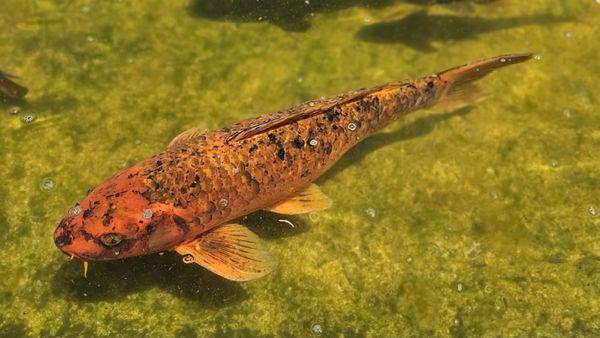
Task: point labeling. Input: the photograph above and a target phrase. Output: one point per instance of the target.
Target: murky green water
(483, 221)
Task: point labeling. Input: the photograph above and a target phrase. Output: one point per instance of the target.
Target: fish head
(119, 219)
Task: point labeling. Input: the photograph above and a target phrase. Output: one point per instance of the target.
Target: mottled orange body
(202, 181)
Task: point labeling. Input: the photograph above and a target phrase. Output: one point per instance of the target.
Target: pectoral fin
(307, 200)
(187, 135)
(231, 251)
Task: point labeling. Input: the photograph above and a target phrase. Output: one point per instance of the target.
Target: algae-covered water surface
(478, 221)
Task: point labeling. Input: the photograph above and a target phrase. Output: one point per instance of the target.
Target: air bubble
(459, 287)
(90, 39)
(409, 259)
(76, 210)
(567, 113)
(47, 184)
(367, 18)
(223, 202)
(147, 213)
(568, 34)
(370, 212)
(352, 126)
(85, 9)
(313, 216)
(317, 329)
(312, 104)
(313, 142)
(593, 211)
(28, 118)
(537, 56)
(187, 259)
(14, 110)
(502, 60)
(554, 163)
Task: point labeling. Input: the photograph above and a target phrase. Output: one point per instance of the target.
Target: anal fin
(231, 251)
(307, 200)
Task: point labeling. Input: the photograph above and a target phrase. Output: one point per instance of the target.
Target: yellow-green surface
(484, 219)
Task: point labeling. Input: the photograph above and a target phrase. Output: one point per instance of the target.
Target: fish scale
(226, 166)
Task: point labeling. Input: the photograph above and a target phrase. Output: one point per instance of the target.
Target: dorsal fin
(299, 112)
(187, 135)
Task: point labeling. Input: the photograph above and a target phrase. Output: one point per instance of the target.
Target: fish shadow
(270, 225)
(289, 15)
(420, 29)
(112, 280)
(417, 128)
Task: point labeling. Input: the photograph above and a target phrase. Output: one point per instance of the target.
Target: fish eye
(111, 239)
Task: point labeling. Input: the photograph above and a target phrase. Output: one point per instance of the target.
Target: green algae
(482, 219)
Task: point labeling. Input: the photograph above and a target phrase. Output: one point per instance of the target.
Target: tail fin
(462, 90)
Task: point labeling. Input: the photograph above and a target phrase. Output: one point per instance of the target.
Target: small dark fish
(9, 88)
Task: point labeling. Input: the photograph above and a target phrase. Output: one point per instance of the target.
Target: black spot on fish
(87, 236)
(181, 223)
(87, 213)
(298, 143)
(251, 181)
(272, 137)
(159, 163)
(183, 149)
(331, 115)
(253, 148)
(65, 237)
(328, 148)
(108, 216)
(430, 84)
(281, 154)
(150, 229)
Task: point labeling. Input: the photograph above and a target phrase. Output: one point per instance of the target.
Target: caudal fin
(462, 91)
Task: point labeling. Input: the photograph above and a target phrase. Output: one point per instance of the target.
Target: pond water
(481, 221)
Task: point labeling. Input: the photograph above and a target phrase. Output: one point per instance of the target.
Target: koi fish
(183, 198)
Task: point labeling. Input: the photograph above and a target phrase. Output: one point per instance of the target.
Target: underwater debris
(370, 212)
(28, 118)
(47, 184)
(147, 213)
(14, 110)
(10, 89)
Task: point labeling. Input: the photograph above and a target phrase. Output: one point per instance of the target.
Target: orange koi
(184, 197)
